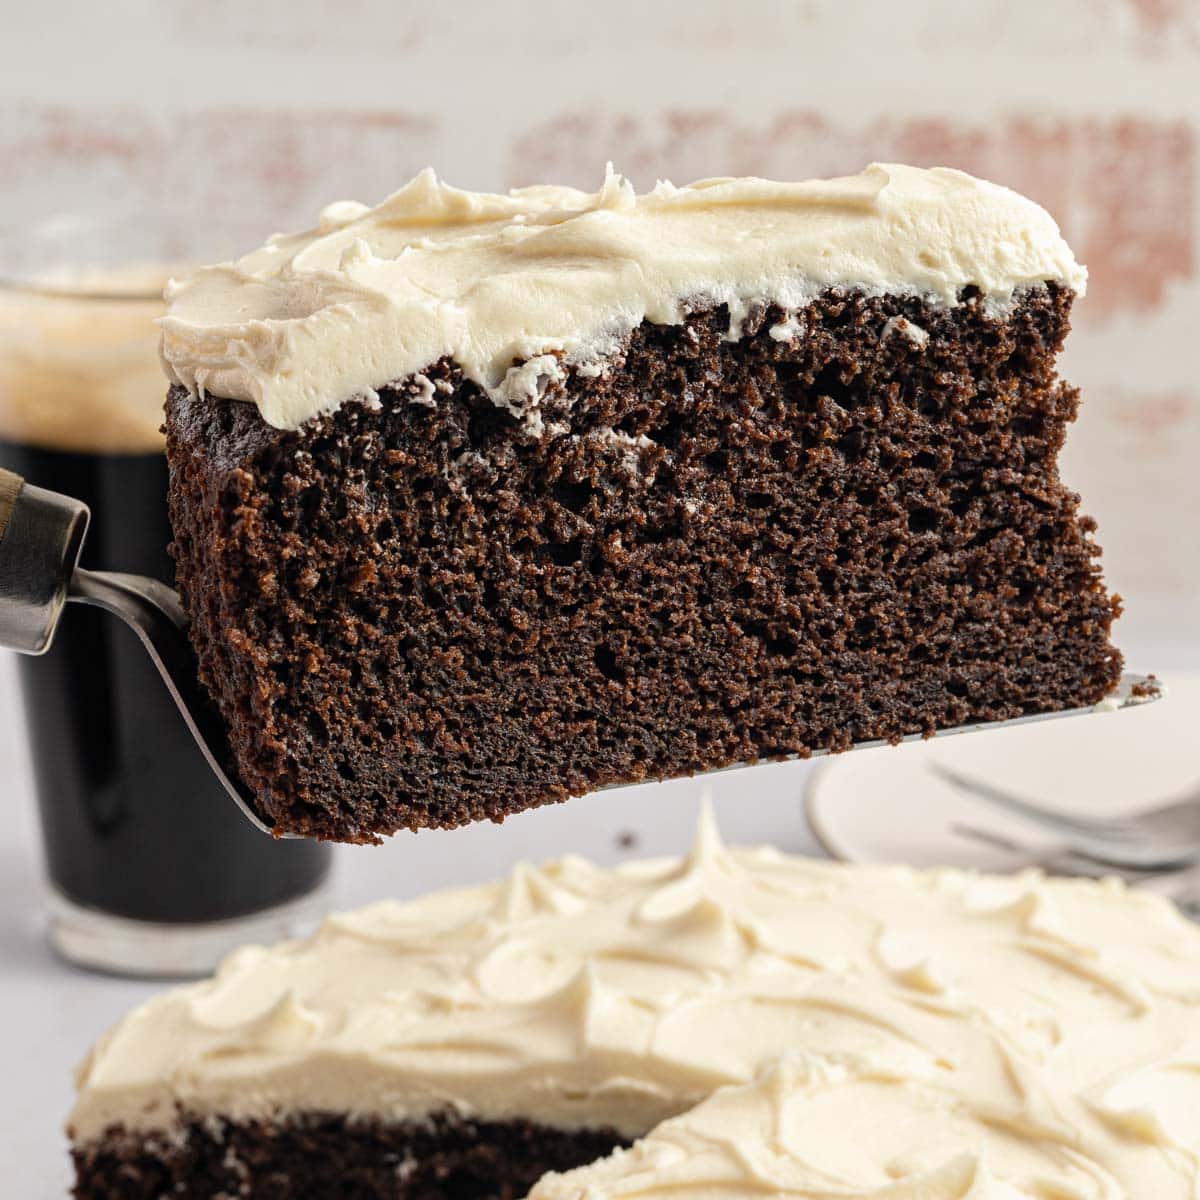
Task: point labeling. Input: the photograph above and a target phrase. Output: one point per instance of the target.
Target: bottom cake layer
(319, 1155)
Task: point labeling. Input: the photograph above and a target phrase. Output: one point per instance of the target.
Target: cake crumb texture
(317, 1156)
(431, 610)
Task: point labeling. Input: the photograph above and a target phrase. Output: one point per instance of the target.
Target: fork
(1180, 885)
(1158, 839)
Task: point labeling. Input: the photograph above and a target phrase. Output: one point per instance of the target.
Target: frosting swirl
(872, 1027)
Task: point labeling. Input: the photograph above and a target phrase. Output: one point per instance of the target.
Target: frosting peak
(762, 1021)
(551, 275)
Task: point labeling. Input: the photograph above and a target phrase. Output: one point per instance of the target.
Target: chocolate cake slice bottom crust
(846, 524)
(318, 1156)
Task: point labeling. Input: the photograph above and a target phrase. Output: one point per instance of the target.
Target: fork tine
(1121, 845)
(1104, 829)
(1178, 884)
(1059, 859)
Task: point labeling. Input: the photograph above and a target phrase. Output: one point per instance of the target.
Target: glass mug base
(162, 950)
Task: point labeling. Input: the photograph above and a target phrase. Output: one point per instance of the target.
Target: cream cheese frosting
(515, 288)
(772, 1023)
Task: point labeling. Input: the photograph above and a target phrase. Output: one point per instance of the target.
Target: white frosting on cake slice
(515, 287)
(879, 1026)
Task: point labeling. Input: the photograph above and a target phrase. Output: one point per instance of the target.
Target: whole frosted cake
(764, 1024)
(484, 501)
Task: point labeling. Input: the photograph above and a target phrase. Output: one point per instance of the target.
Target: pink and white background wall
(261, 112)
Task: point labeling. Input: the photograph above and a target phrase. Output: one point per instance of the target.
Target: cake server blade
(1132, 691)
(152, 610)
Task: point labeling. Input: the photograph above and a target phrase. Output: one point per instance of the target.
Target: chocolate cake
(764, 1023)
(481, 502)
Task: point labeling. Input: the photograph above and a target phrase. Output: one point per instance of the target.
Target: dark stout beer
(134, 824)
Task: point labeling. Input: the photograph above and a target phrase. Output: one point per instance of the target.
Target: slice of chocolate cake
(486, 501)
(1037, 1036)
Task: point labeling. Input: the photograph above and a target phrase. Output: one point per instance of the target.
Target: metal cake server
(41, 535)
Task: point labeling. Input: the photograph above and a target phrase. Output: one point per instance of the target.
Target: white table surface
(50, 1012)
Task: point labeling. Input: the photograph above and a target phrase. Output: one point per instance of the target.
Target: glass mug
(151, 869)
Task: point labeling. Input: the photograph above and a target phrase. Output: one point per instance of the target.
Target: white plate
(887, 805)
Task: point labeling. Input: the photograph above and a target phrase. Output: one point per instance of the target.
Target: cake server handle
(41, 536)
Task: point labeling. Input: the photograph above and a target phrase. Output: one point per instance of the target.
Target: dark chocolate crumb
(717, 552)
(314, 1156)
